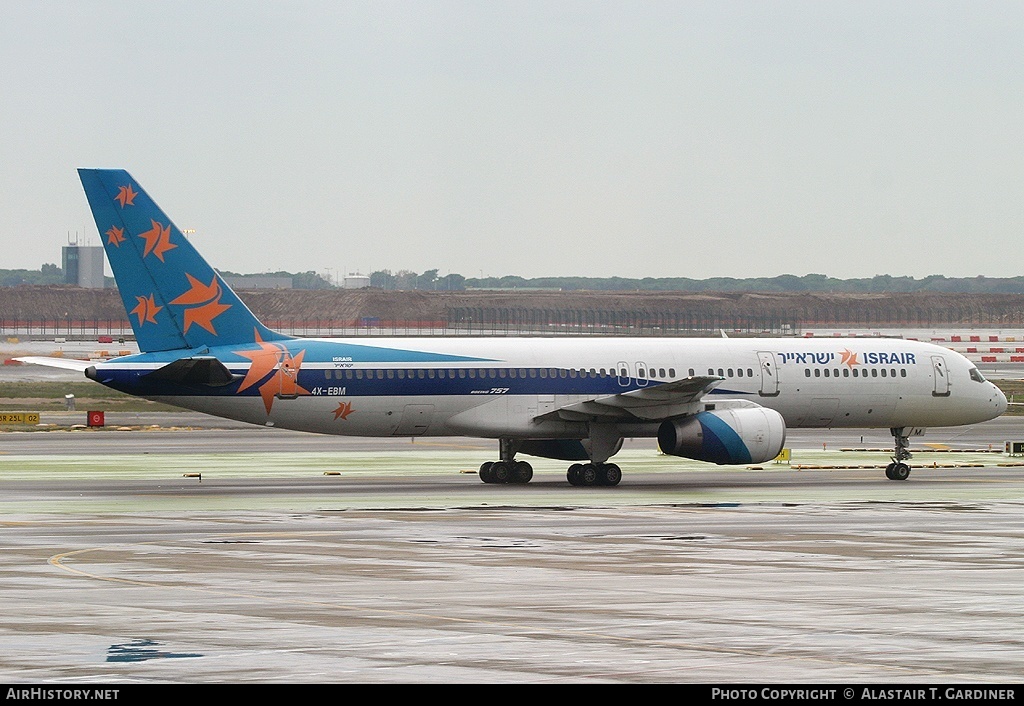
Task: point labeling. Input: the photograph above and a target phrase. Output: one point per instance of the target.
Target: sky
(530, 138)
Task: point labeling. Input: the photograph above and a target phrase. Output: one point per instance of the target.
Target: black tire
(485, 472)
(522, 472)
(610, 474)
(501, 472)
(900, 471)
(589, 474)
(888, 471)
(573, 474)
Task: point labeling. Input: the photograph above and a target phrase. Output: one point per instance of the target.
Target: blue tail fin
(173, 298)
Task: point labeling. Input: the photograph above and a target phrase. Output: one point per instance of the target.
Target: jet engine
(726, 436)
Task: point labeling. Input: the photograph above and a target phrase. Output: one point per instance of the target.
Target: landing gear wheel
(900, 471)
(522, 472)
(573, 474)
(501, 471)
(588, 474)
(610, 474)
(485, 472)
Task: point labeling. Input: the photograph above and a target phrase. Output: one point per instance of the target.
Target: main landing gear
(603, 442)
(897, 470)
(506, 472)
(594, 474)
(578, 474)
(508, 469)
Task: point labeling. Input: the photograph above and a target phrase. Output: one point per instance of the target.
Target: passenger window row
(491, 373)
(856, 372)
(728, 372)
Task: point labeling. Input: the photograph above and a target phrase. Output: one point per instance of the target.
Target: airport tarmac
(300, 558)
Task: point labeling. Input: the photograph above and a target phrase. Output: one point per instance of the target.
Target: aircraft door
(769, 374)
(286, 378)
(939, 372)
(415, 419)
(622, 370)
(643, 374)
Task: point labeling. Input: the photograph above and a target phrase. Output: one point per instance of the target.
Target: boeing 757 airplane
(721, 400)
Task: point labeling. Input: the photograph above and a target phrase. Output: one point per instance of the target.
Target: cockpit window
(976, 375)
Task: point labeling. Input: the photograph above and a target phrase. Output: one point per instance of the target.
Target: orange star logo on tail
(115, 236)
(146, 310)
(204, 300)
(273, 358)
(126, 196)
(158, 240)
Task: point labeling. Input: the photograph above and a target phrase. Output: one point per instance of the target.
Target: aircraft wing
(66, 363)
(669, 399)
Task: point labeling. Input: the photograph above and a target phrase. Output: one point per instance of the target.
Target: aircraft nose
(1000, 400)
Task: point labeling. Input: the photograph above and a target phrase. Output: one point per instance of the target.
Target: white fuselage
(508, 387)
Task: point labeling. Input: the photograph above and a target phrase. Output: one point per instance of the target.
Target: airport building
(83, 266)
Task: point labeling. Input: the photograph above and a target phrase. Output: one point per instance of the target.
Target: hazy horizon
(592, 139)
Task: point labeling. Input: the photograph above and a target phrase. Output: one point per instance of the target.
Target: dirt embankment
(59, 303)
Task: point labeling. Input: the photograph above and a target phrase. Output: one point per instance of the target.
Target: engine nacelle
(725, 436)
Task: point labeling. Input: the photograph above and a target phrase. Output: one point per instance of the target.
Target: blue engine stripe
(721, 442)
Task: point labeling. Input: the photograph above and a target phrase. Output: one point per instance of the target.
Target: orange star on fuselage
(289, 372)
(115, 236)
(158, 240)
(264, 361)
(849, 358)
(344, 409)
(126, 196)
(283, 381)
(146, 310)
(205, 302)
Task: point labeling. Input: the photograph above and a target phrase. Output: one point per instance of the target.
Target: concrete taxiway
(298, 558)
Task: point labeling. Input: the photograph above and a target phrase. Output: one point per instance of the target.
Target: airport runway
(117, 565)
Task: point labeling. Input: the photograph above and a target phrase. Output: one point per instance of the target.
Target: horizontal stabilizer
(65, 363)
(194, 371)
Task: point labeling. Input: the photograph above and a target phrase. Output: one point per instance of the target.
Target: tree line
(430, 281)
(811, 283)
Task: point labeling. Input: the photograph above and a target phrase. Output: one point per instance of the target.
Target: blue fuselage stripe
(386, 382)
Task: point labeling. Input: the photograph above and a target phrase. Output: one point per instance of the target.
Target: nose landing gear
(898, 470)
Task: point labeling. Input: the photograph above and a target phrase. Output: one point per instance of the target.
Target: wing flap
(669, 399)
